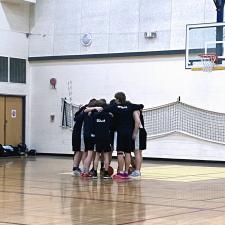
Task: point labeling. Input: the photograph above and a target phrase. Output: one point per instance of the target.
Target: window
(17, 70)
(3, 69)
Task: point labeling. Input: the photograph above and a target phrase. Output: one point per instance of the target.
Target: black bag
(22, 148)
(2, 151)
(32, 152)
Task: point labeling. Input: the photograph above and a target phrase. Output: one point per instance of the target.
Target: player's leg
(106, 165)
(127, 162)
(138, 159)
(128, 142)
(76, 162)
(89, 147)
(84, 156)
(140, 144)
(96, 161)
(76, 145)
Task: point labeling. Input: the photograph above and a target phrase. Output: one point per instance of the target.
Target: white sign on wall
(13, 113)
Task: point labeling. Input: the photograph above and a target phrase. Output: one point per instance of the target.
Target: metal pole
(220, 10)
(219, 30)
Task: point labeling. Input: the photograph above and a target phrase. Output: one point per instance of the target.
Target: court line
(117, 201)
(159, 217)
(13, 223)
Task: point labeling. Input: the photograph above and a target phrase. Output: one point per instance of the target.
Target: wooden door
(13, 120)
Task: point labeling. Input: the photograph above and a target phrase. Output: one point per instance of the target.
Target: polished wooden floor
(41, 190)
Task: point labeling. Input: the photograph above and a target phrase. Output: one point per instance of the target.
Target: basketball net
(208, 61)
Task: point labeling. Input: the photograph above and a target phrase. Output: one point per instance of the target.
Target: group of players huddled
(96, 126)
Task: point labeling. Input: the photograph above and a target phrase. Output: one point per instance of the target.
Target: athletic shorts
(89, 143)
(141, 140)
(103, 147)
(112, 136)
(124, 142)
(77, 143)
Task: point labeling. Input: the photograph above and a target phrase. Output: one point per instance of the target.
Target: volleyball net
(170, 118)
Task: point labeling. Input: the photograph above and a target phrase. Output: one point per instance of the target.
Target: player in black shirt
(140, 140)
(102, 124)
(77, 144)
(89, 138)
(76, 141)
(123, 112)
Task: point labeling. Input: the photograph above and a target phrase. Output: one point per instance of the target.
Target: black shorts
(103, 143)
(103, 147)
(124, 142)
(141, 140)
(89, 143)
(112, 134)
(76, 143)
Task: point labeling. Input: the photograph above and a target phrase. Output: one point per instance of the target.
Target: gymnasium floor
(41, 190)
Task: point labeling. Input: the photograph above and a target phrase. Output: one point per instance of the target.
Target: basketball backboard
(205, 38)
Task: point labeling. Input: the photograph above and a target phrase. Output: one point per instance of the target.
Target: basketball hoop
(208, 61)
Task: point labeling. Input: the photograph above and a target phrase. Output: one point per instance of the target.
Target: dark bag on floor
(2, 151)
(22, 149)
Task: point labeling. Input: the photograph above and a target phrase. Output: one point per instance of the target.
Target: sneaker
(102, 171)
(91, 172)
(125, 176)
(106, 175)
(135, 175)
(77, 172)
(121, 176)
(117, 176)
(94, 174)
(131, 169)
(84, 174)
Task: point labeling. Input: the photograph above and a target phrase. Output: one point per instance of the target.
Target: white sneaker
(77, 172)
(135, 174)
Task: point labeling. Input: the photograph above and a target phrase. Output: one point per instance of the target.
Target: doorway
(11, 120)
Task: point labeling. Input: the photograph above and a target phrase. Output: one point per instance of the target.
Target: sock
(75, 168)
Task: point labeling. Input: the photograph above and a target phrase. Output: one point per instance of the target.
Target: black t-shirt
(88, 128)
(102, 125)
(124, 116)
(78, 122)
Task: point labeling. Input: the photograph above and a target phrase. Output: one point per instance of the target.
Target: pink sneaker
(118, 176)
(84, 174)
(121, 176)
(125, 176)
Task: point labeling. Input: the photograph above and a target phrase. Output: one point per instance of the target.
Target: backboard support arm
(219, 30)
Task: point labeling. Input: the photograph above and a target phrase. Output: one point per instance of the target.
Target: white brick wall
(152, 80)
(14, 24)
(116, 26)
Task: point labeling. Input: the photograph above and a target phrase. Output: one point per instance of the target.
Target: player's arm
(136, 106)
(137, 123)
(80, 113)
(79, 117)
(90, 109)
(110, 109)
